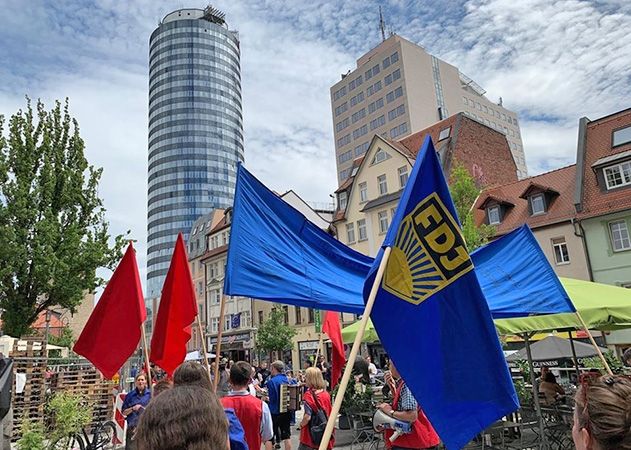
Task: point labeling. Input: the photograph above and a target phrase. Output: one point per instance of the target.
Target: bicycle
(102, 438)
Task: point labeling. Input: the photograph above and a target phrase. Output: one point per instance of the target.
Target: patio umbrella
(554, 348)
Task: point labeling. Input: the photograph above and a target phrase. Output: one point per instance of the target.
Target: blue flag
(277, 254)
(432, 317)
(235, 320)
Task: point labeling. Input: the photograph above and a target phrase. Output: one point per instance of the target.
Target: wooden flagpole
(146, 352)
(591, 339)
(354, 351)
(203, 336)
(219, 334)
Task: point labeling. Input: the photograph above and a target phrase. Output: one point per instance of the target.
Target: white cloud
(552, 62)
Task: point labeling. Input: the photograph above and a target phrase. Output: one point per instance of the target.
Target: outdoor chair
(527, 434)
(364, 436)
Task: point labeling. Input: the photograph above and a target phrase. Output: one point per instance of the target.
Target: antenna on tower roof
(382, 25)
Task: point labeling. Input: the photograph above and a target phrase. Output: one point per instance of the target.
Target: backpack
(318, 421)
(235, 431)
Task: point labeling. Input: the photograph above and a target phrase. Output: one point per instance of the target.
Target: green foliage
(524, 393)
(524, 368)
(357, 398)
(32, 436)
(614, 363)
(65, 340)
(464, 193)
(274, 334)
(70, 413)
(52, 226)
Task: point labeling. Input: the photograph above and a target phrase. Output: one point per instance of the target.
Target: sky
(552, 62)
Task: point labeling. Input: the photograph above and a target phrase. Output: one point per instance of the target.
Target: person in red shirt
(314, 399)
(253, 413)
(405, 408)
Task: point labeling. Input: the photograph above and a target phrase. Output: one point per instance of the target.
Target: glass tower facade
(195, 128)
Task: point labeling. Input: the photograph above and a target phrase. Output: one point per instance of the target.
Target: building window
(379, 156)
(622, 136)
(383, 221)
(350, 233)
(342, 200)
(383, 185)
(310, 315)
(286, 314)
(493, 214)
(561, 254)
(618, 175)
(403, 176)
(444, 134)
(298, 315)
(394, 57)
(227, 323)
(215, 296)
(361, 230)
(260, 317)
(214, 324)
(363, 192)
(619, 236)
(537, 204)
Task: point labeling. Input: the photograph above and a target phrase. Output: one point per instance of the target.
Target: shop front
(235, 346)
(306, 352)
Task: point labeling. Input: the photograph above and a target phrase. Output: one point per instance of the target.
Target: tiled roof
(595, 200)
(414, 141)
(561, 208)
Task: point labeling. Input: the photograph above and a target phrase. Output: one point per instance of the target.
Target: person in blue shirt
(280, 421)
(133, 406)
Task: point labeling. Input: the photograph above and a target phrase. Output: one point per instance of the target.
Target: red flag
(113, 331)
(331, 326)
(176, 313)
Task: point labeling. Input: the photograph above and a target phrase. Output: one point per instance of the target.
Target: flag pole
(354, 351)
(218, 349)
(201, 333)
(146, 352)
(591, 339)
(318, 351)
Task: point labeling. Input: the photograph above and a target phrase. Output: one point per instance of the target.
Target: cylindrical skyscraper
(195, 128)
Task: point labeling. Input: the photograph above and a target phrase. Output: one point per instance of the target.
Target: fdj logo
(429, 253)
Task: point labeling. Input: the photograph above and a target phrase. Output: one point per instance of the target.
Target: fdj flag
(431, 314)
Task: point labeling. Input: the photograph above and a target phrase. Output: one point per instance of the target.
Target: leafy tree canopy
(464, 192)
(53, 233)
(274, 334)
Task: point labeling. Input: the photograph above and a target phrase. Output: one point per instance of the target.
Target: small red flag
(112, 332)
(331, 326)
(176, 313)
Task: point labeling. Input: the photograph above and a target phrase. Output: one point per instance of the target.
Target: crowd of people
(185, 413)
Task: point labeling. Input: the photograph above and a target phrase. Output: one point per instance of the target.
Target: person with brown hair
(602, 417)
(183, 418)
(314, 399)
(162, 386)
(253, 413)
(192, 373)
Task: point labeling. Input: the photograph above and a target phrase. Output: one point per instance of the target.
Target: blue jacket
(273, 390)
(134, 398)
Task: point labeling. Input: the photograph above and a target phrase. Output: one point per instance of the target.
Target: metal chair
(364, 436)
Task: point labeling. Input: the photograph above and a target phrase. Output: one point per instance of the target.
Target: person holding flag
(404, 407)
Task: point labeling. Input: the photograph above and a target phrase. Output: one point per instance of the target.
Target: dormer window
(342, 200)
(537, 204)
(618, 175)
(493, 214)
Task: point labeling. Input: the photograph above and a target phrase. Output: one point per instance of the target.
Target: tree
(274, 334)
(65, 339)
(464, 192)
(53, 234)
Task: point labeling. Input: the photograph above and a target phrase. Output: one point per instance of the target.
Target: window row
(374, 88)
(346, 156)
(361, 149)
(488, 110)
(359, 115)
(376, 123)
(342, 125)
(394, 76)
(355, 83)
(344, 140)
(340, 109)
(393, 95)
(361, 231)
(371, 72)
(374, 106)
(398, 131)
(396, 112)
(357, 99)
(390, 60)
(341, 92)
